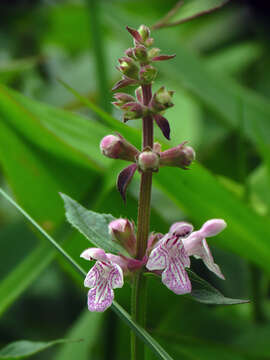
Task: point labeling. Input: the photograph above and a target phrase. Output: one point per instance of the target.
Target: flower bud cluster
(136, 66)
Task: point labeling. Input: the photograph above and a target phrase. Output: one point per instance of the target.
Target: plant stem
(138, 302)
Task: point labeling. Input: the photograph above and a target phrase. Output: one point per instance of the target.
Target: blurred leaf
(86, 328)
(189, 9)
(143, 334)
(23, 275)
(36, 178)
(24, 348)
(91, 224)
(205, 293)
(42, 125)
(258, 184)
(130, 133)
(235, 58)
(10, 69)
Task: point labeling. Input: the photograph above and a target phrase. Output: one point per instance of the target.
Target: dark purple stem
(146, 181)
(139, 298)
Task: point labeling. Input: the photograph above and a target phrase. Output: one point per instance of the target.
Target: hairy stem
(138, 303)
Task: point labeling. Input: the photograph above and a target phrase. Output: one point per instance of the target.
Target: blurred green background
(49, 143)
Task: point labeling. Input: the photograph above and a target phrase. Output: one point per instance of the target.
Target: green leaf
(194, 8)
(205, 293)
(23, 275)
(24, 348)
(42, 124)
(92, 225)
(87, 328)
(143, 334)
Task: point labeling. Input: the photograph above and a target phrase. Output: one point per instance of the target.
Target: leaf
(202, 291)
(205, 293)
(143, 334)
(92, 225)
(185, 11)
(87, 328)
(24, 348)
(42, 124)
(23, 275)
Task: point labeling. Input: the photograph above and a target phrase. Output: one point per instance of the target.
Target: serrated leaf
(92, 225)
(24, 348)
(205, 293)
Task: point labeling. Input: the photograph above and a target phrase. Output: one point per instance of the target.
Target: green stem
(99, 54)
(139, 299)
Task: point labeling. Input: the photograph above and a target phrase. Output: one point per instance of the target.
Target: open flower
(195, 244)
(170, 256)
(104, 276)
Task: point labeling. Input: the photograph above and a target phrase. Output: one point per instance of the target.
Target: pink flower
(170, 255)
(104, 276)
(195, 244)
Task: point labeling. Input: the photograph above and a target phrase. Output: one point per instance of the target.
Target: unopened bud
(162, 100)
(180, 156)
(133, 110)
(122, 231)
(122, 98)
(144, 31)
(129, 52)
(157, 147)
(147, 74)
(117, 147)
(148, 161)
(139, 95)
(153, 53)
(128, 67)
(140, 52)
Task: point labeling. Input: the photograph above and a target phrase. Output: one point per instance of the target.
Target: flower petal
(100, 297)
(115, 279)
(176, 278)
(158, 258)
(94, 253)
(208, 260)
(93, 275)
(212, 227)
